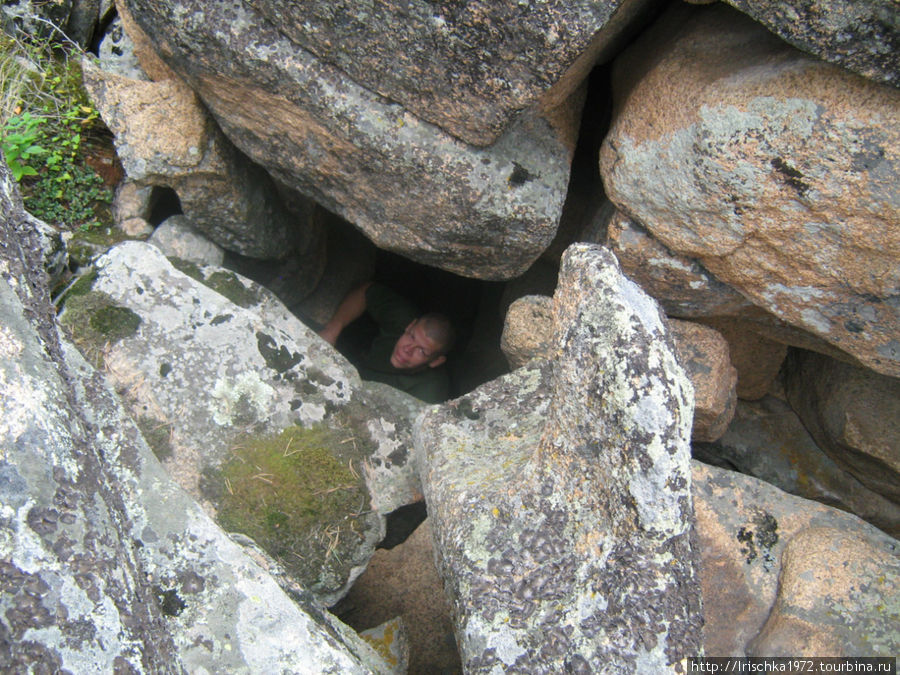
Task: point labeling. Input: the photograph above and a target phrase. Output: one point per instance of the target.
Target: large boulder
(559, 495)
(776, 171)
(466, 69)
(412, 187)
(220, 376)
(767, 440)
(177, 238)
(164, 137)
(701, 351)
(678, 283)
(853, 414)
(860, 35)
(784, 575)
(105, 563)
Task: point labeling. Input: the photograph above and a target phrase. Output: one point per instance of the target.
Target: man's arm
(351, 308)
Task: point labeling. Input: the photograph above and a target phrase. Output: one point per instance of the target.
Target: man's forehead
(421, 336)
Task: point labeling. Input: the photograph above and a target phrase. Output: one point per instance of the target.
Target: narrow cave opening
(476, 307)
(163, 203)
(472, 305)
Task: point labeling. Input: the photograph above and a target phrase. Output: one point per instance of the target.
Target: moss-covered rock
(297, 497)
(85, 245)
(82, 285)
(221, 281)
(95, 320)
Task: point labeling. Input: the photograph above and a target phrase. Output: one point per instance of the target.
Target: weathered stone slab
(410, 186)
(561, 520)
(776, 171)
(467, 69)
(218, 373)
(853, 414)
(860, 35)
(678, 283)
(784, 575)
(105, 563)
(767, 440)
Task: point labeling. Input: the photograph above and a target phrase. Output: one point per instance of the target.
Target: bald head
(439, 330)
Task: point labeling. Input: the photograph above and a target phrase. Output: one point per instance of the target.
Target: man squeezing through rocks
(409, 350)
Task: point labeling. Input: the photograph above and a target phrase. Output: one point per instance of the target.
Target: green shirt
(393, 314)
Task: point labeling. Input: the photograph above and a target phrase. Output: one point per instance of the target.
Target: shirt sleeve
(391, 311)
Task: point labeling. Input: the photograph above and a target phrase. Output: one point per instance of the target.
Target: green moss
(188, 267)
(85, 245)
(114, 322)
(157, 434)
(82, 285)
(95, 320)
(221, 281)
(292, 495)
(100, 236)
(231, 287)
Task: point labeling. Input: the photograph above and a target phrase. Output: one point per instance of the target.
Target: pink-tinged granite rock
(776, 171)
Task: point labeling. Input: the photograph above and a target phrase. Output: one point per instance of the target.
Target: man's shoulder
(431, 385)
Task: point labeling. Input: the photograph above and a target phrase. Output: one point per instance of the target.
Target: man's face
(415, 350)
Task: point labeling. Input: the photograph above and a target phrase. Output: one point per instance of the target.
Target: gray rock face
(411, 187)
(559, 495)
(776, 171)
(701, 351)
(466, 69)
(767, 440)
(164, 137)
(106, 564)
(853, 414)
(116, 53)
(860, 35)
(176, 238)
(784, 575)
(212, 378)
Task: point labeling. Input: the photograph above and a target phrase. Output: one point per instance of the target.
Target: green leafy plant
(19, 144)
(49, 129)
(67, 190)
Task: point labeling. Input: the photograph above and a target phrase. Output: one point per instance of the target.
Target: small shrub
(46, 115)
(19, 144)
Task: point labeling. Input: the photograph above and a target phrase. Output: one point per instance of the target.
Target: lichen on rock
(559, 494)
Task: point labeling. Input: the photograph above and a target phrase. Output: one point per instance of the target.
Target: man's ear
(434, 363)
